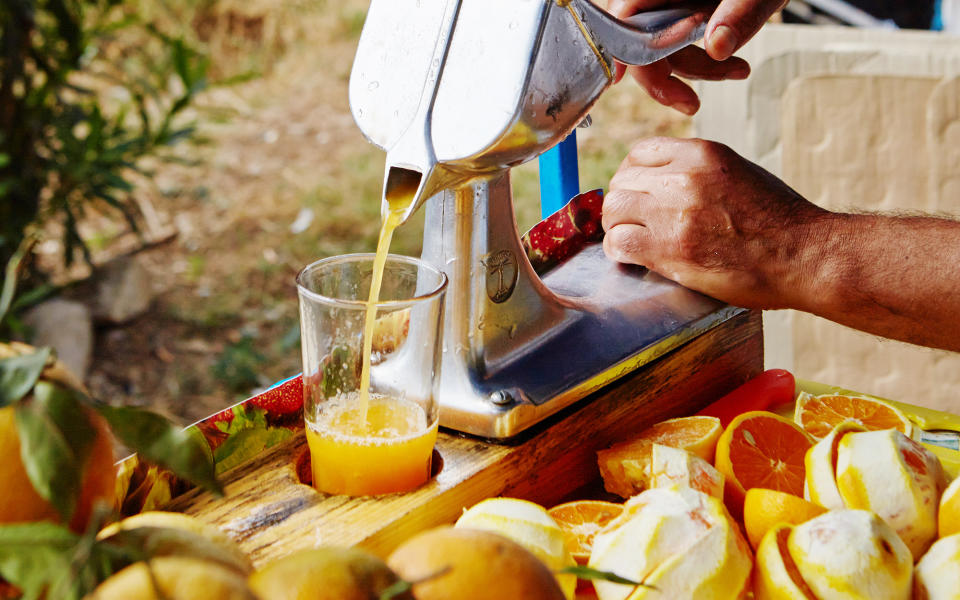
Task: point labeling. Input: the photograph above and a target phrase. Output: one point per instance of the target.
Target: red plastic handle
(767, 389)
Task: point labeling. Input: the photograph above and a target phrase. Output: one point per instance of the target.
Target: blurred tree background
(194, 155)
(66, 151)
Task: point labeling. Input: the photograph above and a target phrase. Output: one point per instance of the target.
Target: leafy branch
(56, 434)
(67, 149)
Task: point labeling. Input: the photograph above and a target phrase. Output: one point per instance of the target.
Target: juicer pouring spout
(406, 186)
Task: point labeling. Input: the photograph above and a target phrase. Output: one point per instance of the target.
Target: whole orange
(20, 502)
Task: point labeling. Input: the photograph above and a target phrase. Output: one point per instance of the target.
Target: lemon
(678, 540)
(851, 554)
(196, 538)
(672, 466)
(328, 573)
(174, 578)
(948, 517)
(447, 563)
(529, 525)
(937, 576)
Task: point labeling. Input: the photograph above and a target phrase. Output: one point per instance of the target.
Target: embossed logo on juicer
(501, 274)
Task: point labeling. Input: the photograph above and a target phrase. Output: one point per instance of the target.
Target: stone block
(67, 327)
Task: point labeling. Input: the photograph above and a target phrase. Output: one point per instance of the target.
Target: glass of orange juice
(379, 438)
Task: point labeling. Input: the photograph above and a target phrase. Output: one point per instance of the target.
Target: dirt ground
(284, 177)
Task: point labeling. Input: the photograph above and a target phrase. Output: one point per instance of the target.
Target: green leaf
(55, 440)
(246, 444)
(144, 543)
(91, 561)
(34, 556)
(9, 282)
(18, 375)
(33, 296)
(49, 561)
(398, 588)
(155, 439)
(583, 572)
(65, 408)
(402, 589)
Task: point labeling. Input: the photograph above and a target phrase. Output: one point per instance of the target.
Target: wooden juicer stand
(270, 513)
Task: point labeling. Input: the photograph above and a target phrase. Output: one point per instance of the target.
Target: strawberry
(282, 399)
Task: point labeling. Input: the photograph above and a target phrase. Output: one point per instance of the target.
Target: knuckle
(620, 180)
(706, 150)
(682, 182)
(616, 205)
(687, 246)
(650, 144)
(628, 179)
(624, 242)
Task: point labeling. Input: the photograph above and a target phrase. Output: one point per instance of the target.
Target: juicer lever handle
(649, 35)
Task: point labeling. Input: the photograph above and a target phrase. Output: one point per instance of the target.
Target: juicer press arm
(647, 36)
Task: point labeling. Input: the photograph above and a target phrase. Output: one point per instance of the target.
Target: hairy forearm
(898, 277)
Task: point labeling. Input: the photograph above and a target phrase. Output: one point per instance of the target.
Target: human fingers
(736, 21)
(693, 62)
(624, 207)
(627, 8)
(658, 81)
(654, 152)
(619, 69)
(630, 243)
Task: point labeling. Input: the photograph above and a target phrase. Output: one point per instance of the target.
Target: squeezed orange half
(389, 451)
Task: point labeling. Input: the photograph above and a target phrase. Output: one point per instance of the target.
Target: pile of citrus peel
(837, 502)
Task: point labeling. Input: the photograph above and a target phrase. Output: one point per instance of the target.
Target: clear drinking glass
(385, 445)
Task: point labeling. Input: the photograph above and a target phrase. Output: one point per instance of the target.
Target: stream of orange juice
(397, 208)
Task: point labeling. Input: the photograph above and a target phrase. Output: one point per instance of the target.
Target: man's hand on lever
(731, 25)
(698, 213)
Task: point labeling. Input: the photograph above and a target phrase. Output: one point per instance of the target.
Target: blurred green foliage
(239, 364)
(88, 90)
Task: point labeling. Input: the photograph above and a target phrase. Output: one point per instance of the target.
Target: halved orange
(625, 467)
(763, 509)
(818, 415)
(761, 450)
(580, 520)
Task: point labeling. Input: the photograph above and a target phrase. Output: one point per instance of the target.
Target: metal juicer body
(457, 92)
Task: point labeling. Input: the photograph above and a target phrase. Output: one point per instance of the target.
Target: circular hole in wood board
(304, 468)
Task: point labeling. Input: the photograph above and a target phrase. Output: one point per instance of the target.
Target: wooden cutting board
(270, 513)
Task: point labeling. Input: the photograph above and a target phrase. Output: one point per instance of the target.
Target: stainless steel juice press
(459, 91)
